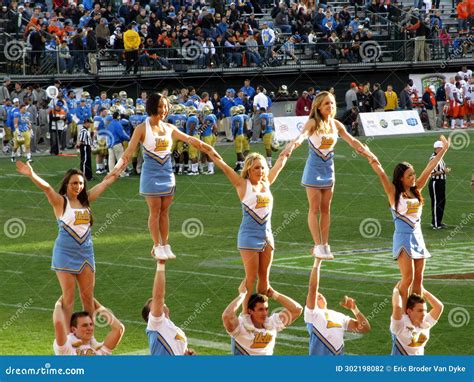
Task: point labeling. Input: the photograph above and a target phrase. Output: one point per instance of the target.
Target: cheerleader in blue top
(255, 238)
(322, 131)
(406, 201)
(73, 253)
(157, 181)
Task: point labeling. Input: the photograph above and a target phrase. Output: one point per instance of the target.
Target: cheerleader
(255, 238)
(73, 252)
(322, 131)
(157, 181)
(406, 202)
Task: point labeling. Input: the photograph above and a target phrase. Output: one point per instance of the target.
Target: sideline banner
(230, 369)
(391, 123)
(288, 128)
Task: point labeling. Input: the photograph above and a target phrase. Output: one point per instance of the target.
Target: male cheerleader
(410, 329)
(325, 326)
(164, 337)
(255, 335)
(79, 339)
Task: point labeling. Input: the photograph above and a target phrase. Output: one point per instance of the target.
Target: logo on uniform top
(326, 143)
(262, 201)
(81, 217)
(412, 122)
(397, 122)
(412, 207)
(383, 123)
(161, 144)
(261, 340)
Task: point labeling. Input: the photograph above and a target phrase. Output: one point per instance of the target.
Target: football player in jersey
(257, 335)
(238, 125)
(21, 133)
(469, 104)
(193, 130)
(325, 326)
(209, 136)
(137, 157)
(178, 118)
(410, 326)
(164, 337)
(77, 336)
(266, 122)
(101, 149)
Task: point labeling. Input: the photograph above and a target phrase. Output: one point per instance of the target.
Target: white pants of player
(115, 153)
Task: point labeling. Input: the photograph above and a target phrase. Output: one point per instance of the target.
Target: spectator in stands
(233, 52)
(131, 41)
(288, 50)
(318, 20)
(406, 102)
(446, 42)
(392, 99)
(462, 10)
(429, 102)
(77, 51)
(378, 98)
(251, 50)
(281, 19)
(91, 47)
(303, 105)
(102, 33)
(268, 40)
(418, 26)
(351, 96)
(65, 60)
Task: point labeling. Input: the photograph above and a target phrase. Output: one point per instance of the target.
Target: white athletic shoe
(318, 251)
(210, 172)
(168, 252)
(160, 253)
(327, 252)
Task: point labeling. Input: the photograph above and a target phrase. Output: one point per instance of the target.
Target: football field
(204, 222)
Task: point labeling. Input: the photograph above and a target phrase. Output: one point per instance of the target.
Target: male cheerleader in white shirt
(164, 337)
(256, 334)
(411, 329)
(79, 340)
(326, 327)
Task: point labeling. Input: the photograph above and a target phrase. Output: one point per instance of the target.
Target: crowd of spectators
(154, 33)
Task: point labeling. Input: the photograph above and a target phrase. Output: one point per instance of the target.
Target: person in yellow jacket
(131, 42)
(392, 99)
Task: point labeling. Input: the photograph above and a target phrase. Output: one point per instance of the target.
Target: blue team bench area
(229, 369)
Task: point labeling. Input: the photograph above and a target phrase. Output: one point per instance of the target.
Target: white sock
(181, 167)
(28, 156)
(453, 121)
(210, 166)
(194, 167)
(269, 161)
(201, 167)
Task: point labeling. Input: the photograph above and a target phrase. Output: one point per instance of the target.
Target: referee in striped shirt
(84, 143)
(437, 188)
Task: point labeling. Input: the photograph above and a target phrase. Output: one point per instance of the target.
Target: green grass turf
(205, 276)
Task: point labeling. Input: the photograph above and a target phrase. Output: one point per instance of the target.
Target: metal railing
(195, 57)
